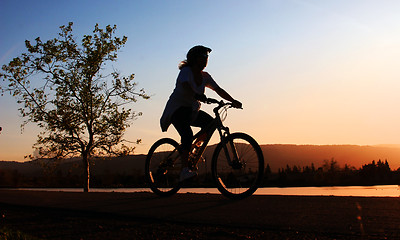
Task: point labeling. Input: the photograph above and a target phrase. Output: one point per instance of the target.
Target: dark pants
(182, 120)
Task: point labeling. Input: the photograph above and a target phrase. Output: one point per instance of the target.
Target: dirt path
(64, 215)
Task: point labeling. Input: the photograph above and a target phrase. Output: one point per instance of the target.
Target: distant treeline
(330, 174)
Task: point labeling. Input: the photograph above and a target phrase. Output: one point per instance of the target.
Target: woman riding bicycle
(183, 107)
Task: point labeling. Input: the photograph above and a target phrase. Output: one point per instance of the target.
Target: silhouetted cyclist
(183, 107)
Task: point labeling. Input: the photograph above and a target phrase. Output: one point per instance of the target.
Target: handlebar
(220, 103)
(212, 100)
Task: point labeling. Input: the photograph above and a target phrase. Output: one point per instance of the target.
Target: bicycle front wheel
(163, 166)
(238, 166)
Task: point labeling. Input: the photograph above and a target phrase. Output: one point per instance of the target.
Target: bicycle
(237, 165)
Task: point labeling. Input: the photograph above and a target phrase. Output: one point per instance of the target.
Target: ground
(63, 215)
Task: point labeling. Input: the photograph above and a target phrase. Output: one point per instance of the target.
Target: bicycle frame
(223, 131)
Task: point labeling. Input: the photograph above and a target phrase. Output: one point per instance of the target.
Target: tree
(61, 87)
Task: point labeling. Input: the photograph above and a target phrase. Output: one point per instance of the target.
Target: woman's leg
(202, 120)
(181, 120)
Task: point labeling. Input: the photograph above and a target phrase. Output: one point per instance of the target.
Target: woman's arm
(222, 93)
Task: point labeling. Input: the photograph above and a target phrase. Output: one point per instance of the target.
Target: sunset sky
(307, 72)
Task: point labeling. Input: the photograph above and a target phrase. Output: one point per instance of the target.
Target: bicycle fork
(233, 160)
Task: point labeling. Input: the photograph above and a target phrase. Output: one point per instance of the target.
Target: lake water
(356, 191)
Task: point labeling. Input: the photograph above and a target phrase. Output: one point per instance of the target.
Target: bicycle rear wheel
(163, 166)
(241, 178)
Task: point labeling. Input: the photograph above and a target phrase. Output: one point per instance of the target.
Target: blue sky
(307, 72)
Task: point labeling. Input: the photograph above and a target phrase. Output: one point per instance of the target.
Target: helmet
(197, 51)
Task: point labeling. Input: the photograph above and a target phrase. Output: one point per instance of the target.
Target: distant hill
(27, 168)
(277, 156)
(121, 165)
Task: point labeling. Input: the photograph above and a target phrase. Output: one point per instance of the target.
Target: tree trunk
(86, 172)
